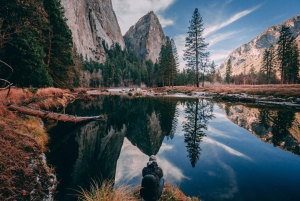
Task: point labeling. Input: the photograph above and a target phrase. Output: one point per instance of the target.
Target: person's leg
(161, 187)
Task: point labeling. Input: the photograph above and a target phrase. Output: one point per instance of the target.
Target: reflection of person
(153, 181)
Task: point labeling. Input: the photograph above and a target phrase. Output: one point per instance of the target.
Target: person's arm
(159, 172)
(144, 171)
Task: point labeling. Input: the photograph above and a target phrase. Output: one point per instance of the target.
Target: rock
(90, 23)
(146, 37)
(252, 52)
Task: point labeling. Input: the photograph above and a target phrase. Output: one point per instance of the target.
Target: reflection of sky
(233, 165)
(132, 161)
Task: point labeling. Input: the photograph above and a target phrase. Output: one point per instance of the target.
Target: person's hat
(153, 158)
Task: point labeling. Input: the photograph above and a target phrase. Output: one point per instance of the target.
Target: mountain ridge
(251, 53)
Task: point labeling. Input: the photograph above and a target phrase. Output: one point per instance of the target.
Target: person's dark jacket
(151, 168)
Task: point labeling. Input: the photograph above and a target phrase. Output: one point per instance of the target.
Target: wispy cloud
(218, 56)
(232, 19)
(130, 11)
(216, 38)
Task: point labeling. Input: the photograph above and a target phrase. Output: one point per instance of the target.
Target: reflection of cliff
(87, 153)
(99, 150)
(279, 127)
(146, 134)
(148, 120)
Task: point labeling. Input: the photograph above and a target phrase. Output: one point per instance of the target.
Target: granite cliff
(146, 37)
(251, 53)
(92, 21)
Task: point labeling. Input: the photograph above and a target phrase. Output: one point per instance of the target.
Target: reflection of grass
(106, 192)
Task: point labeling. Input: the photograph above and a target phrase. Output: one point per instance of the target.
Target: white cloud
(130, 11)
(219, 55)
(232, 19)
(216, 38)
(165, 22)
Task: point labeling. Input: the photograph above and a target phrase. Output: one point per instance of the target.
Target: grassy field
(278, 90)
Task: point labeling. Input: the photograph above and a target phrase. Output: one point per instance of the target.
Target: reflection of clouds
(231, 187)
(172, 174)
(228, 149)
(215, 132)
(132, 161)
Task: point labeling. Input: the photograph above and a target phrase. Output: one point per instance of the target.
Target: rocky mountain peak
(92, 21)
(250, 54)
(146, 37)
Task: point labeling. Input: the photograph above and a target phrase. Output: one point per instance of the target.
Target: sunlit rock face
(92, 21)
(278, 127)
(146, 37)
(147, 138)
(251, 53)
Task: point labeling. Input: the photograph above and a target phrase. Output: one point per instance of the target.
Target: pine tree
(175, 65)
(195, 45)
(268, 63)
(59, 59)
(292, 73)
(22, 41)
(284, 52)
(228, 72)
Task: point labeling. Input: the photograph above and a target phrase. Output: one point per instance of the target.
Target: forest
(36, 44)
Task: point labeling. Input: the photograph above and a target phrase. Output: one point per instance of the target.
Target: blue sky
(228, 23)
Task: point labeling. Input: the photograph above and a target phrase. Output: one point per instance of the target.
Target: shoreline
(264, 94)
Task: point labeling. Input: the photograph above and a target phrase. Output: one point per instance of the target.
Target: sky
(228, 24)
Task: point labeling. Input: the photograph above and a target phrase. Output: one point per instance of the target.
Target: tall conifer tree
(195, 45)
(284, 52)
(228, 72)
(59, 46)
(268, 63)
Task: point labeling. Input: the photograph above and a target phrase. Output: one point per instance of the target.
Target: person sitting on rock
(153, 181)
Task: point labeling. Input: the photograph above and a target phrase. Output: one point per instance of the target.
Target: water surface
(216, 151)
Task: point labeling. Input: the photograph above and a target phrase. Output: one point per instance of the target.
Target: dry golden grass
(284, 90)
(22, 139)
(106, 192)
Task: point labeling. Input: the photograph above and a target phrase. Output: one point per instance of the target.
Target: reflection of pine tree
(282, 121)
(197, 116)
(265, 118)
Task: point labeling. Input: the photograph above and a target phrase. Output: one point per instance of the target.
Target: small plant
(32, 89)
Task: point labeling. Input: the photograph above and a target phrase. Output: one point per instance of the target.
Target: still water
(216, 151)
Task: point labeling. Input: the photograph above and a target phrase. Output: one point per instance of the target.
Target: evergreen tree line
(280, 64)
(125, 68)
(37, 43)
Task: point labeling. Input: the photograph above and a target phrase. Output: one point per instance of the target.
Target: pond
(216, 151)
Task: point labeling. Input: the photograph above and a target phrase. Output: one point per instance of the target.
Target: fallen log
(53, 115)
